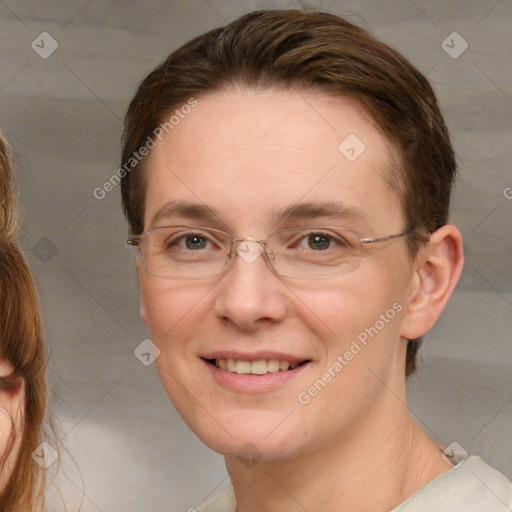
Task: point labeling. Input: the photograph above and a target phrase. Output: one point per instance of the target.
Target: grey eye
(195, 242)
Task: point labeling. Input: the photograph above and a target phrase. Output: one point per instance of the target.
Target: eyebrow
(311, 210)
(307, 210)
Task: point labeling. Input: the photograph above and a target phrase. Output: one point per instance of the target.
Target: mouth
(257, 367)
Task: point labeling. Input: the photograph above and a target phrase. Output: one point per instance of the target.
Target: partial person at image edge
(23, 384)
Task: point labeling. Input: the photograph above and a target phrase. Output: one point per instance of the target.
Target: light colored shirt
(470, 486)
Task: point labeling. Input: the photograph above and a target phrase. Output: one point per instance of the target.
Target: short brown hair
(319, 52)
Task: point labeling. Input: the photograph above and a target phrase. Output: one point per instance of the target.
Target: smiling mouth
(259, 367)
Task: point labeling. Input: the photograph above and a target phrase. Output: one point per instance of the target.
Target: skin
(354, 447)
(11, 411)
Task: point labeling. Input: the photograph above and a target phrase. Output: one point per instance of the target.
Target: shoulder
(470, 486)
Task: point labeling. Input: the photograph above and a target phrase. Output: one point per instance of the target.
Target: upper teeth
(259, 367)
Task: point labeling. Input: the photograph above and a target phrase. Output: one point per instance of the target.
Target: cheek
(343, 307)
(6, 426)
(164, 303)
(174, 310)
(11, 421)
(359, 316)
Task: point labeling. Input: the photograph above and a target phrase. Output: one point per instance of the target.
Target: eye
(321, 241)
(194, 241)
(189, 241)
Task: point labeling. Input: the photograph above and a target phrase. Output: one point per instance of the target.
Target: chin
(245, 435)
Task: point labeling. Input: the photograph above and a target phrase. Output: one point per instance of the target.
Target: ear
(438, 269)
(143, 313)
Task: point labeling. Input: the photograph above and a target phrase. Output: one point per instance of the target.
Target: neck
(374, 465)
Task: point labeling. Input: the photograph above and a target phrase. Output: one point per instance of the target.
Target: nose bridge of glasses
(248, 248)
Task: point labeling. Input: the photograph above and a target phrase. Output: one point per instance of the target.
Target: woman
(23, 384)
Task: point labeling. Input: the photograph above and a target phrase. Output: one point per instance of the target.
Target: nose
(250, 293)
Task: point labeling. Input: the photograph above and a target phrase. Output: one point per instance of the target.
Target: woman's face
(12, 397)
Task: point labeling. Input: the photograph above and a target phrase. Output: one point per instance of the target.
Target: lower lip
(249, 383)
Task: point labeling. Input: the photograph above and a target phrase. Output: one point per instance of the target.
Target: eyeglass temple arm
(133, 240)
(384, 238)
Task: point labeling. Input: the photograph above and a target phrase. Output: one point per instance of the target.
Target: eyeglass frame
(134, 241)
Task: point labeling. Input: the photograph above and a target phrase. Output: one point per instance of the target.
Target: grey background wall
(123, 447)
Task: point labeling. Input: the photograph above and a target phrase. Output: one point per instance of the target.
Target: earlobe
(439, 267)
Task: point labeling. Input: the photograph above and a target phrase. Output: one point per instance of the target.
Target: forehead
(248, 154)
